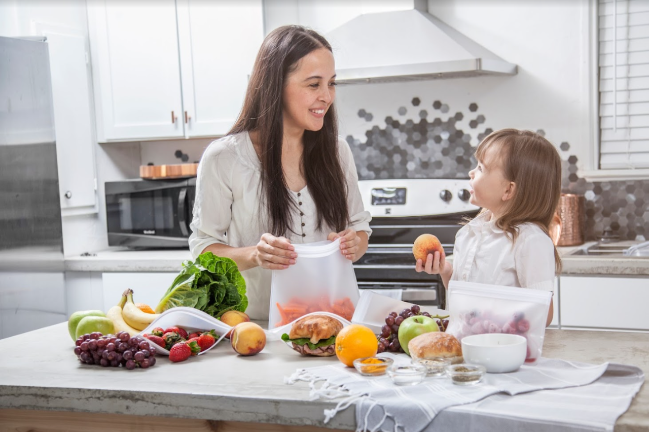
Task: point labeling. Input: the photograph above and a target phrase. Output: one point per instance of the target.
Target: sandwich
(314, 335)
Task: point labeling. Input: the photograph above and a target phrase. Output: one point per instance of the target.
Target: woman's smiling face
(309, 91)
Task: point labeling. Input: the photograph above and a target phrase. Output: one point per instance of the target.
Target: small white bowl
(497, 352)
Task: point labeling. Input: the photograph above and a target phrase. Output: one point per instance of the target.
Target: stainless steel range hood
(408, 45)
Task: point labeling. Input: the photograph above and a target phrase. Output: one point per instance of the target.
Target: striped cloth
(554, 394)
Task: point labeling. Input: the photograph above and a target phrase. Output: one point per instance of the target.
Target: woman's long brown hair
(262, 112)
(534, 165)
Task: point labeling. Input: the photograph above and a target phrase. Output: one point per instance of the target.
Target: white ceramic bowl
(497, 352)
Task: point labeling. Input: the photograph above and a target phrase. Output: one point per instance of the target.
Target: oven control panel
(416, 197)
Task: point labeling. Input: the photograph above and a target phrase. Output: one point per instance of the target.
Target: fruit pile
(477, 322)
(389, 337)
(126, 316)
(188, 344)
(115, 350)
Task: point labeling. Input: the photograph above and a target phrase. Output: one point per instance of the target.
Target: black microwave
(149, 213)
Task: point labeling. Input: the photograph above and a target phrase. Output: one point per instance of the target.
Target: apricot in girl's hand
(426, 244)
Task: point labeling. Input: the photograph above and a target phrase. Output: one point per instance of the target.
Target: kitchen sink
(629, 249)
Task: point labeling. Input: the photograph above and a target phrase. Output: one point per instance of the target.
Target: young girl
(518, 185)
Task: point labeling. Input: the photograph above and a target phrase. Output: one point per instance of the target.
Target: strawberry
(156, 339)
(182, 351)
(172, 330)
(195, 339)
(205, 341)
(158, 331)
(182, 332)
(171, 339)
(193, 335)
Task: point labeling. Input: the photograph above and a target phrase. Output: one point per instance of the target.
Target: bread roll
(435, 344)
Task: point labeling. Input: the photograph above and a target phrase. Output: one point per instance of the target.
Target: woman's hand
(274, 253)
(350, 244)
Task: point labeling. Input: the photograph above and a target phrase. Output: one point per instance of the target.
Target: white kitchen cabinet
(218, 45)
(136, 69)
(599, 302)
(147, 288)
(71, 84)
(171, 68)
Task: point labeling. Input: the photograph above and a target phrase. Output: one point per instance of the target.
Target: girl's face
(489, 187)
(309, 92)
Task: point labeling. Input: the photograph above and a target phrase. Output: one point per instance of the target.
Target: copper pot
(572, 220)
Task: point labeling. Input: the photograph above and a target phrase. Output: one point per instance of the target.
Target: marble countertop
(223, 386)
(125, 260)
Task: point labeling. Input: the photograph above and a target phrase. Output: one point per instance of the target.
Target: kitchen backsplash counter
(124, 260)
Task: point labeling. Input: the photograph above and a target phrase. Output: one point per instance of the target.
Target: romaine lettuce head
(212, 284)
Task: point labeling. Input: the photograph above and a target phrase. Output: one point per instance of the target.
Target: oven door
(148, 213)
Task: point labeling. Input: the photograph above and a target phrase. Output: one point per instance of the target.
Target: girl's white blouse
(227, 209)
(483, 253)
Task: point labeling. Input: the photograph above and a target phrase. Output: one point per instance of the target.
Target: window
(623, 36)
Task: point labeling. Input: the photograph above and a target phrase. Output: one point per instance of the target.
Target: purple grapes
(114, 351)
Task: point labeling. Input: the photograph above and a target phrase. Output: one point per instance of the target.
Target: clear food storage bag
(479, 308)
(321, 280)
(189, 319)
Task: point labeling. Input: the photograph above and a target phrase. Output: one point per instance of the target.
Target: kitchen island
(44, 387)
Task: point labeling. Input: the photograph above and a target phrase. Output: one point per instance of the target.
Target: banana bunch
(126, 316)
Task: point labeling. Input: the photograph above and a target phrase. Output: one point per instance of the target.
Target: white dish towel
(439, 405)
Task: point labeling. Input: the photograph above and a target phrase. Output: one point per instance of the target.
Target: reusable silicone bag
(479, 308)
(321, 280)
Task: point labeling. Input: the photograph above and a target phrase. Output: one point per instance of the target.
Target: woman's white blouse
(483, 253)
(227, 209)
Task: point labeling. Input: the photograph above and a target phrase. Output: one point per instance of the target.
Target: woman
(281, 175)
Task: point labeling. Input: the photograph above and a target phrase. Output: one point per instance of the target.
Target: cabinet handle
(187, 117)
(173, 117)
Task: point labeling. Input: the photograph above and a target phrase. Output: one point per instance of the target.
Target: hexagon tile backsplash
(436, 148)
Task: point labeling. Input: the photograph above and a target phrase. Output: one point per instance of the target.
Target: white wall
(547, 40)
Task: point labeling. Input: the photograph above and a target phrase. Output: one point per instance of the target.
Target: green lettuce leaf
(212, 284)
(307, 341)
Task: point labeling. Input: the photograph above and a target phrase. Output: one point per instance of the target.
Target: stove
(403, 209)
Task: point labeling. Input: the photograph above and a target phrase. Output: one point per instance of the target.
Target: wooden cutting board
(158, 172)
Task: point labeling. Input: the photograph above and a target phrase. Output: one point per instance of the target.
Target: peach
(426, 244)
(248, 338)
(232, 318)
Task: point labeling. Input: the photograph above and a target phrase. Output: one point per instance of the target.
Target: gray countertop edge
(195, 406)
(116, 260)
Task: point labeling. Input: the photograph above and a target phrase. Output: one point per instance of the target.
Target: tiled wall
(438, 141)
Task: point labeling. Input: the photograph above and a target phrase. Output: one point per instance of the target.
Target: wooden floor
(15, 420)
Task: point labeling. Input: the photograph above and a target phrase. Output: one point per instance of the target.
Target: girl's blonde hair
(534, 165)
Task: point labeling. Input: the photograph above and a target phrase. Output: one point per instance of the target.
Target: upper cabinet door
(218, 45)
(136, 71)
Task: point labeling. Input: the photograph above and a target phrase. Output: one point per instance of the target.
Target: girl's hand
(274, 253)
(435, 264)
(349, 243)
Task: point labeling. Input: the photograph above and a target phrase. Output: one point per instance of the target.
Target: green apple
(91, 324)
(414, 326)
(74, 319)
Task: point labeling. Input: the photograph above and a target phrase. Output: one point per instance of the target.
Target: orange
(144, 308)
(355, 341)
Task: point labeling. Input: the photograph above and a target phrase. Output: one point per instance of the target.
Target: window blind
(624, 83)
